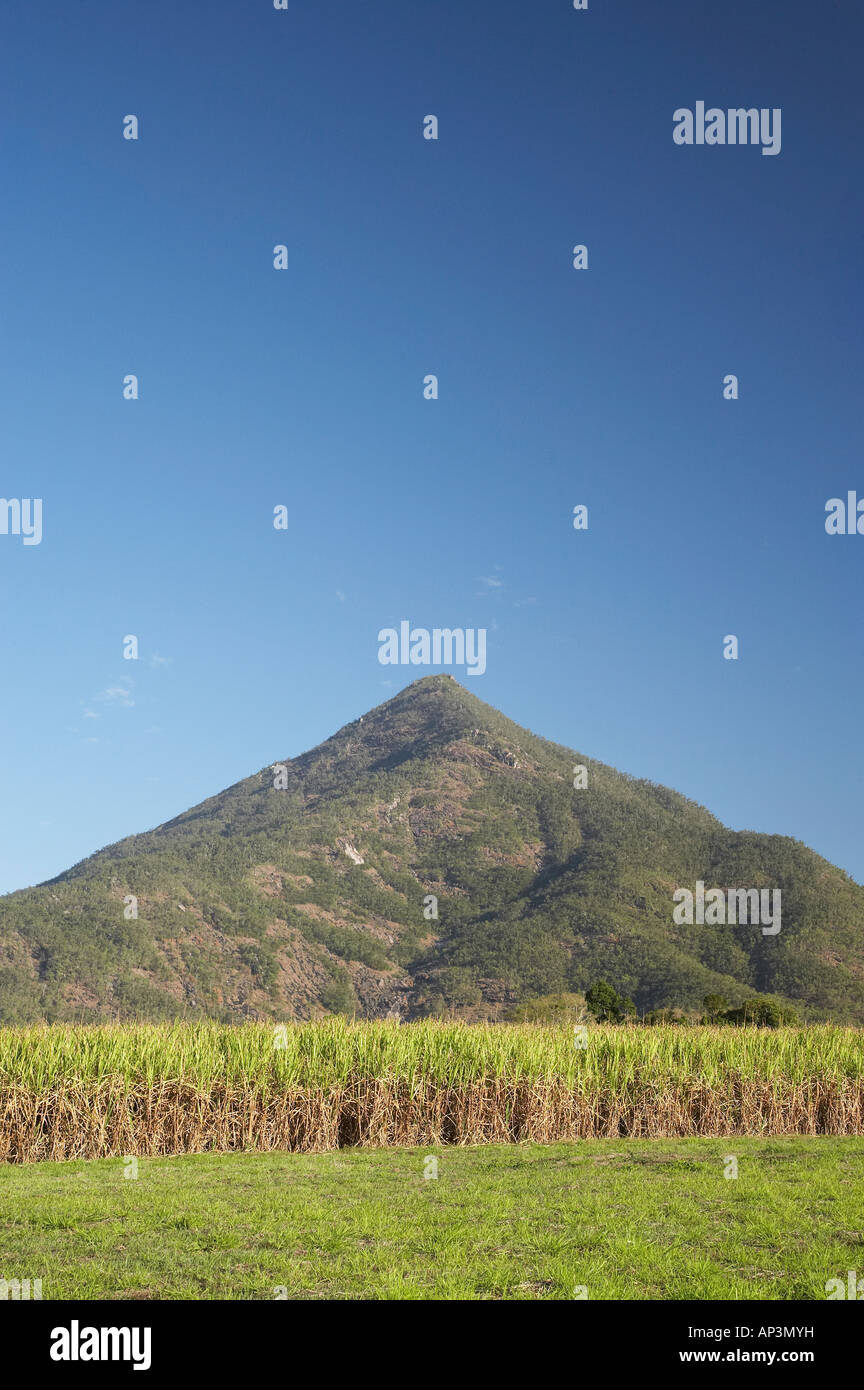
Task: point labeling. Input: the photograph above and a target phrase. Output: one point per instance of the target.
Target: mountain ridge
(315, 895)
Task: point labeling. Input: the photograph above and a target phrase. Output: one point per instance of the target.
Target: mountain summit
(432, 856)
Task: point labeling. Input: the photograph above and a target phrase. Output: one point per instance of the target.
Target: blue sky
(304, 388)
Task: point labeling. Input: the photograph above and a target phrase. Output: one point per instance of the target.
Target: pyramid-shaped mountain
(431, 857)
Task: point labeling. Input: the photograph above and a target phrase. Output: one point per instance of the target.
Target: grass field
(303, 1155)
(627, 1220)
(70, 1092)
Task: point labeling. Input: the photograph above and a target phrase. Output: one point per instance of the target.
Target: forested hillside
(318, 894)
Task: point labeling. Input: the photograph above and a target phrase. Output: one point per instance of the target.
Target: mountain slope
(316, 895)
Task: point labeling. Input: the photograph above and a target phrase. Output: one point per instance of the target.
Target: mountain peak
(431, 856)
(434, 710)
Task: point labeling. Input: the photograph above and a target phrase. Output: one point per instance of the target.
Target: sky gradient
(304, 387)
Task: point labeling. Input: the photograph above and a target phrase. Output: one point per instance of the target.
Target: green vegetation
(87, 1092)
(334, 1052)
(606, 1004)
(550, 1009)
(250, 906)
(762, 1013)
(624, 1220)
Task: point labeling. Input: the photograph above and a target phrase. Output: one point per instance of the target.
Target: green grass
(627, 1219)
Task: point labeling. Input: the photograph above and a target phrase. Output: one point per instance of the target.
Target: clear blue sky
(304, 387)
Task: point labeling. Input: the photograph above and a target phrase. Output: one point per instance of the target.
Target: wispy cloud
(120, 694)
(491, 582)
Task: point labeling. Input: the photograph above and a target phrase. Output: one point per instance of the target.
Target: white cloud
(121, 693)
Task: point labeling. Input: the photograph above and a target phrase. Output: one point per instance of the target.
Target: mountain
(318, 894)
